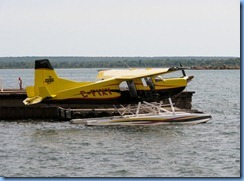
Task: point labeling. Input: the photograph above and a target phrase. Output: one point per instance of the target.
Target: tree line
(118, 62)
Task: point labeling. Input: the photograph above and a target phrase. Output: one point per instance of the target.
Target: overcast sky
(119, 28)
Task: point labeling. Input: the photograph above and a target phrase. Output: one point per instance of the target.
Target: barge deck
(13, 108)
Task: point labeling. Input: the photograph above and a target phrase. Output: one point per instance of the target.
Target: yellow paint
(48, 85)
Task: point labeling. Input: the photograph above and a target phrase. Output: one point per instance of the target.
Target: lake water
(59, 149)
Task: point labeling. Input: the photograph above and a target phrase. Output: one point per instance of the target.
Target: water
(59, 149)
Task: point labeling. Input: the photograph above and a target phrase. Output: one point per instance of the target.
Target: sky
(120, 28)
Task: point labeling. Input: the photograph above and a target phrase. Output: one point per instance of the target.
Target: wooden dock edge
(12, 107)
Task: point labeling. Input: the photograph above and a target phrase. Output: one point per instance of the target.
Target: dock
(13, 108)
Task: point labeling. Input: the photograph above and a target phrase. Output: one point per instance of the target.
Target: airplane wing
(128, 74)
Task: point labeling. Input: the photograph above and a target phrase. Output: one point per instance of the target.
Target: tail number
(96, 92)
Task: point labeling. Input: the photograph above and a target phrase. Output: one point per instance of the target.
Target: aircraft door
(132, 88)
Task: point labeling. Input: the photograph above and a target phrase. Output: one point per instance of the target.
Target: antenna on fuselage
(125, 64)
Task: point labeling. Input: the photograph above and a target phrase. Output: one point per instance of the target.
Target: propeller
(189, 78)
(183, 71)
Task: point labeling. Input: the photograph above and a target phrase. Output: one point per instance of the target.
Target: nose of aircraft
(190, 78)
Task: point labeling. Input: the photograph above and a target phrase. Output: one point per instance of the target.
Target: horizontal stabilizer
(32, 100)
(44, 92)
(30, 91)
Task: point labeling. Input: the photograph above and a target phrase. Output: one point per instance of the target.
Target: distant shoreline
(223, 67)
(189, 68)
(195, 63)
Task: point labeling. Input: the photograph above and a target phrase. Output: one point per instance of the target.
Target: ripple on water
(41, 149)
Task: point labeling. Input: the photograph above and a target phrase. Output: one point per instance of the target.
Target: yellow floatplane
(142, 84)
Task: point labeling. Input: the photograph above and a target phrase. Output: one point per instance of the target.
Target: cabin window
(128, 86)
(123, 86)
(132, 88)
(150, 83)
(159, 78)
(144, 82)
(175, 74)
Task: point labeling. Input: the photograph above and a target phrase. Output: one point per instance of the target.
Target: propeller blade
(183, 71)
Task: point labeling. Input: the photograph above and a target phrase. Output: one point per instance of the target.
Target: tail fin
(45, 76)
(45, 83)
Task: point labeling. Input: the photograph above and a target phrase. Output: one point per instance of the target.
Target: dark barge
(13, 108)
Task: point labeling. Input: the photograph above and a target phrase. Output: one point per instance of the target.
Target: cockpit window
(159, 78)
(175, 74)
